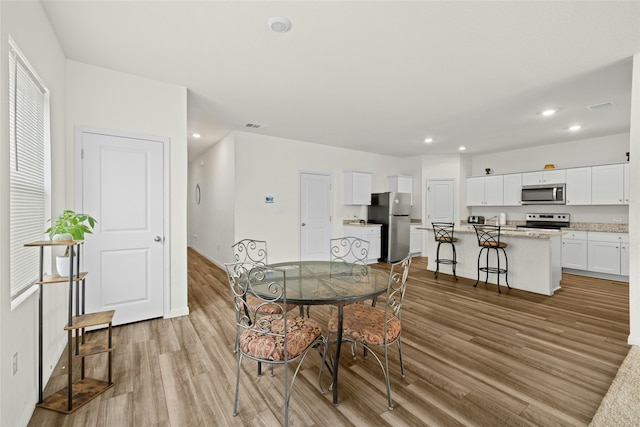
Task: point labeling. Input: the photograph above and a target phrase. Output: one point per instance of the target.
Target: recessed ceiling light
(462, 148)
(575, 128)
(549, 112)
(196, 135)
(428, 140)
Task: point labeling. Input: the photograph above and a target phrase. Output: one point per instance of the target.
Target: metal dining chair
(376, 326)
(269, 334)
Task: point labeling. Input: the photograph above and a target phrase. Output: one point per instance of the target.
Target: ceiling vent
(602, 106)
(252, 125)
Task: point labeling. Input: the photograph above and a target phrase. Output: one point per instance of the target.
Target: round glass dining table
(332, 283)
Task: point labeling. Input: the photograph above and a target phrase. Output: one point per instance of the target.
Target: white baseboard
(177, 312)
(633, 340)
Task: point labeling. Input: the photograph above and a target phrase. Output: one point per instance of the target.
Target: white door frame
(166, 229)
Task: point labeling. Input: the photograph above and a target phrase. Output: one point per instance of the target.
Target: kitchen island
(535, 257)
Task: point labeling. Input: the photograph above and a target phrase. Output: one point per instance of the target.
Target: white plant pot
(62, 237)
(62, 265)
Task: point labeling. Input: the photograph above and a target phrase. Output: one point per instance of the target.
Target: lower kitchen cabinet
(605, 255)
(415, 240)
(370, 233)
(574, 250)
(595, 251)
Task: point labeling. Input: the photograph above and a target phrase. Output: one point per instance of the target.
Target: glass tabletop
(326, 282)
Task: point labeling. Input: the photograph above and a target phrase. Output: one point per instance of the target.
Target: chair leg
(478, 269)
(498, 269)
(486, 276)
(455, 261)
(400, 357)
(235, 399)
(437, 261)
(506, 268)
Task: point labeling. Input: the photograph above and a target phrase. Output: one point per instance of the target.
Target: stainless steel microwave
(545, 194)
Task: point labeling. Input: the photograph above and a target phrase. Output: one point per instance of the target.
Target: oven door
(543, 194)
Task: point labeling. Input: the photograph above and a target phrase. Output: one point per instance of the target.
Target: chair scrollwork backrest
(250, 251)
(488, 235)
(349, 255)
(443, 231)
(396, 288)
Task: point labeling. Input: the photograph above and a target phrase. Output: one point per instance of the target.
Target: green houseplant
(69, 226)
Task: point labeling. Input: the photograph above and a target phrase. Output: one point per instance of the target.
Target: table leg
(336, 360)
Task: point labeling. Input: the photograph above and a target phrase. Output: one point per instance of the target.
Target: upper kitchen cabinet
(512, 187)
(357, 188)
(401, 184)
(607, 184)
(578, 190)
(485, 190)
(551, 176)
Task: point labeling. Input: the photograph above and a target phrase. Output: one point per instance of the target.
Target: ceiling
(376, 76)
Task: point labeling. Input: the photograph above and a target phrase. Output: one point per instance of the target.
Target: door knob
(303, 224)
(157, 239)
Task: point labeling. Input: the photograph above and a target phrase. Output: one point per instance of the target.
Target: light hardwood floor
(472, 357)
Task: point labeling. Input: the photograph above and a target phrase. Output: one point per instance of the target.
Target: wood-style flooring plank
(472, 357)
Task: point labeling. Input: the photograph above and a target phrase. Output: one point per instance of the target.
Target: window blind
(28, 125)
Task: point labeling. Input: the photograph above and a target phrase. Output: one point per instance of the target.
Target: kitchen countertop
(510, 231)
(579, 226)
(362, 224)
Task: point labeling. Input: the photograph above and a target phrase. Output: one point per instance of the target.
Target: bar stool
(443, 232)
(489, 239)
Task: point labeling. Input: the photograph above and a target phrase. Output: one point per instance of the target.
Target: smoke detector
(279, 24)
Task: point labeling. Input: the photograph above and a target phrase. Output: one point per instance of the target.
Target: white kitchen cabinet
(485, 190)
(604, 252)
(512, 189)
(551, 176)
(370, 233)
(574, 250)
(357, 188)
(401, 184)
(625, 179)
(578, 189)
(475, 191)
(607, 184)
(624, 258)
(415, 240)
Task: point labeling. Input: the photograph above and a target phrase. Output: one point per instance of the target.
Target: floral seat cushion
(365, 324)
(301, 332)
(253, 302)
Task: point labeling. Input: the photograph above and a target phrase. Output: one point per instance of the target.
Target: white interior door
(440, 201)
(123, 188)
(315, 216)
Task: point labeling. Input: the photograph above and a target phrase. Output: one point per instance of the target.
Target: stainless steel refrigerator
(392, 210)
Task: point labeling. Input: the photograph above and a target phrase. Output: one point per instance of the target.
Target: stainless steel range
(548, 221)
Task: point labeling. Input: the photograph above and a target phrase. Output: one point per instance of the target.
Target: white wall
(634, 208)
(106, 99)
(272, 166)
(211, 223)
(27, 24)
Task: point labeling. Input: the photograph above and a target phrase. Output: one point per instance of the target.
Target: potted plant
(69, 226)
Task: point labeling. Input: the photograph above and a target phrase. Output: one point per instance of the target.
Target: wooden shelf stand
(82, 390)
